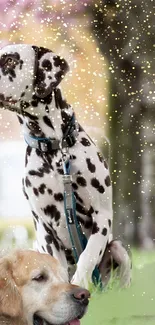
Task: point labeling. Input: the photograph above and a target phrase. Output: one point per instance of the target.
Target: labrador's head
(35, 286)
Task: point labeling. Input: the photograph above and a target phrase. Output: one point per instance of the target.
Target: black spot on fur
(100, 252)
(49, 191)
(21, 64)
(25, 194)
(74, 185)
(24, 105)
(105, 164)
(85, 142)
(27, 182)
(20, 119)
(90, 165)
(58, 197)
(100, 157)
(29, 150)
(72, 157)
(47, 109)
(41, 171)
(90, 212)
(88, 224)
(107, 181)
(59, 163)
(28, 153)
(78, 197)
(49, 249)
(60, 171)
(35, 191)
(52, 211)
(32, 117)
(80, 209)
(43, 248)
(80, 128)
(47, 166)
(95, 183)
(109, 223)
(35, 224)
(69, 256)
(63, 68)
(36, 173)
(23, 94)
(48, 122)
(95, 228)
(52, 236)
(65, 118)
(80, 220)
(34, 102)
(35, 216)
(81, 181)
(49, 239)
(47, 65)
(104, 231)
(42, 188)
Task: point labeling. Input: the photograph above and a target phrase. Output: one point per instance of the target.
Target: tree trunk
(126, 40)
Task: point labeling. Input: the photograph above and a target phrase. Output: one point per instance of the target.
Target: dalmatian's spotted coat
(29, 85)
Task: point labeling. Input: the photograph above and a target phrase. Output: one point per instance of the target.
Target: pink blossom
(10, 10)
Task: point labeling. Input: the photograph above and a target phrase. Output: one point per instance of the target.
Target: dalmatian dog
(30, 80)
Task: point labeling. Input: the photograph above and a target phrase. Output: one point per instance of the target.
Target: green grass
(132, 306)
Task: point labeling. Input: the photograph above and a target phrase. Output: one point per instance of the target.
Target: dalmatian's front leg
(95, 247)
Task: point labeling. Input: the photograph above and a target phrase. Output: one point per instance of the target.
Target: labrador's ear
(10, 298)
(50, 70)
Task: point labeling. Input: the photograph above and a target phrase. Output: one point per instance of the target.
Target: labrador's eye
(40, 278)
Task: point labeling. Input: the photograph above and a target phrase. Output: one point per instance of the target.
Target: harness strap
(78, 239)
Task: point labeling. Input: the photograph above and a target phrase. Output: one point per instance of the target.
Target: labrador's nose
(81, 295)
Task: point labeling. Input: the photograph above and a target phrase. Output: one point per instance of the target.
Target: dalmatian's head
(27, 72)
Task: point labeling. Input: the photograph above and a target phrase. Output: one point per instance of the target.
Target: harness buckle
(43, 146)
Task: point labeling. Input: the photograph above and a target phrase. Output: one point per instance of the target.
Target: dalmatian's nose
(81, 295)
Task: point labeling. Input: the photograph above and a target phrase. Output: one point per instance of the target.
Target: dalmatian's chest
(44, 188)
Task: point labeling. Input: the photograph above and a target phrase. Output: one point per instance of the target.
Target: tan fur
(21, 296)
(12, 321)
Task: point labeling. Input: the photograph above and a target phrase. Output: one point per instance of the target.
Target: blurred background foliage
(110, 46)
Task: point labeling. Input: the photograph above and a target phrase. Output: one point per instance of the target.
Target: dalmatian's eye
(9, 62)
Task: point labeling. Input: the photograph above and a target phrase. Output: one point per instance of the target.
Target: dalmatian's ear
(50, 70)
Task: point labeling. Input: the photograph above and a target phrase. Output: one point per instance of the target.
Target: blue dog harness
(78, 239)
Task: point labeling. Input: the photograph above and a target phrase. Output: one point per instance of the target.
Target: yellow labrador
(34, 290)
